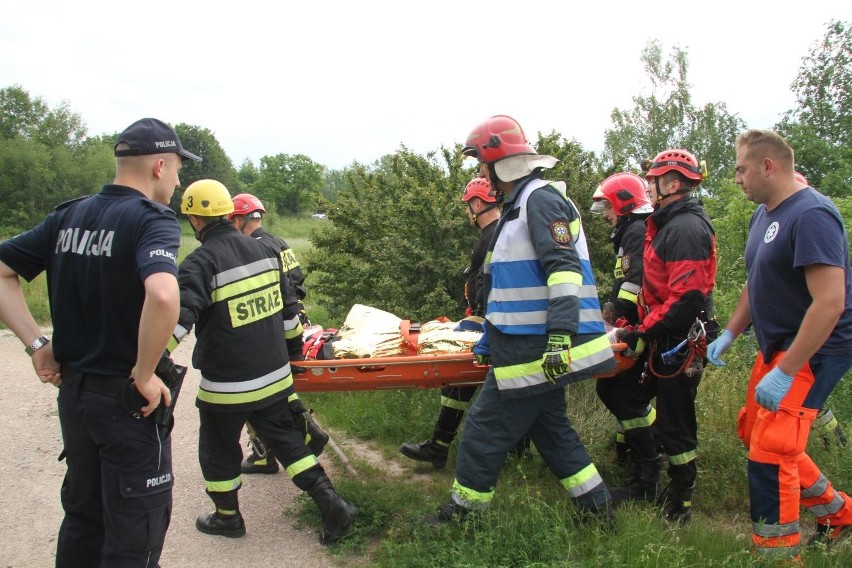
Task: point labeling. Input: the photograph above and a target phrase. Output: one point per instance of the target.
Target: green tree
(215, 162)
(19, 113)
(334, 183)
(398, 239)
(820, 127)
(23, 116)
(668, 118)
(288, 183)
(247, 173)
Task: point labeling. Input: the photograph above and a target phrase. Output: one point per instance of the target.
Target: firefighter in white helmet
(538, 345)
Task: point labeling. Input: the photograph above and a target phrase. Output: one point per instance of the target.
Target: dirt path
(30, 512)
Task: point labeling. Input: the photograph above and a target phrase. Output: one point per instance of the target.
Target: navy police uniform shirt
(97, 252)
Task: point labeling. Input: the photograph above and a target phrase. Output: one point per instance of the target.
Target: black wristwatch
(36, 345)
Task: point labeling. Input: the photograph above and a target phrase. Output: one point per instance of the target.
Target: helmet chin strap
(487, 209)
(661, 197)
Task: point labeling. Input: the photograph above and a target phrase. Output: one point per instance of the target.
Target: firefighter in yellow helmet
(247, 217)
(231, 288)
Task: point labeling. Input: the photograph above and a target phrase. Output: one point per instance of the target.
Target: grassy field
(532, 523)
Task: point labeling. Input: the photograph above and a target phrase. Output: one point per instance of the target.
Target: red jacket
(680, 269)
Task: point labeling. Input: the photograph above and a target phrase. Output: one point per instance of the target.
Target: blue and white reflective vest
(524, 300)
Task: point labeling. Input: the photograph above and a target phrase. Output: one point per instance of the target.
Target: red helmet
(246, 203)
(678, 160)
(481, 188)
(800, 178)
(497, 138)
(626, 192)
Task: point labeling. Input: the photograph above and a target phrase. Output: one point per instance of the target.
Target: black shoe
(643, 486)
(257, 464)
(428, 451)
(603, 517)
(446, 514)
(676, 503)
(231, 526)
(623, 454)
(337, 514)
(830, 535)
(316, 438)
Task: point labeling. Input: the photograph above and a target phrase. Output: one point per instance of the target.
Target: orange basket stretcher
(408, 372)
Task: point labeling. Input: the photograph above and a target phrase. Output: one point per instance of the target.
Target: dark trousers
(220, 454)
(493, 427)
(117, 491)
(676, 427)
(624, 395)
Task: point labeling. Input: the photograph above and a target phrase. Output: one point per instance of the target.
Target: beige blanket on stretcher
(370, 333)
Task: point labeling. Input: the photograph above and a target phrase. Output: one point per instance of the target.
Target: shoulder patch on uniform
(165, 209)
(561, 232)
(70, 202)
(625, 264)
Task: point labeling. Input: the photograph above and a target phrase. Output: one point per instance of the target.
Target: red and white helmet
(245, 204)
(481, 188)
(678, 160)
(625, 191)
(498, 137)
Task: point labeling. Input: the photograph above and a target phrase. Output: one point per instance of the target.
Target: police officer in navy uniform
(112, 281)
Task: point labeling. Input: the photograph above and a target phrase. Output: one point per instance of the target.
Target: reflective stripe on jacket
(231, 290)
(538, 279)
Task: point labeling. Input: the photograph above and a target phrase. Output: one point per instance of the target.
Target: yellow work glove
(557, 356)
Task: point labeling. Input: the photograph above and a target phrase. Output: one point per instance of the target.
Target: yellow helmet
(206, 198)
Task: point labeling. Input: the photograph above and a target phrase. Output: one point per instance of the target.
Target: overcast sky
(345, 81)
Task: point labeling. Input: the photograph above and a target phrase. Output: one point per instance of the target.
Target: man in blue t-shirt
(798, 298)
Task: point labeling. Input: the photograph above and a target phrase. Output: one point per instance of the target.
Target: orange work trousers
(781, 475)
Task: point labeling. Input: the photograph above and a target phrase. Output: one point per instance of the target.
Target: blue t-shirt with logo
(805, 229)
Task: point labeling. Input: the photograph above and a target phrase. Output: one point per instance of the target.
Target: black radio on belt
(172, 376)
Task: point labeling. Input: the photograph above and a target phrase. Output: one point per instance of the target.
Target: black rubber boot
(643, 486)
(676, 502)
(446, 513)
(596, 508)
(315, 437)
(336, 513)
(436, 449)
(260, 460)
(231, 526)
(226, 520)
(623, 455)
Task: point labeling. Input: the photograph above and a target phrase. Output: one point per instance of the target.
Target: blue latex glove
(718, 348)
(772, 388)
(482, 349)
(471, 323)
(557, 356)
